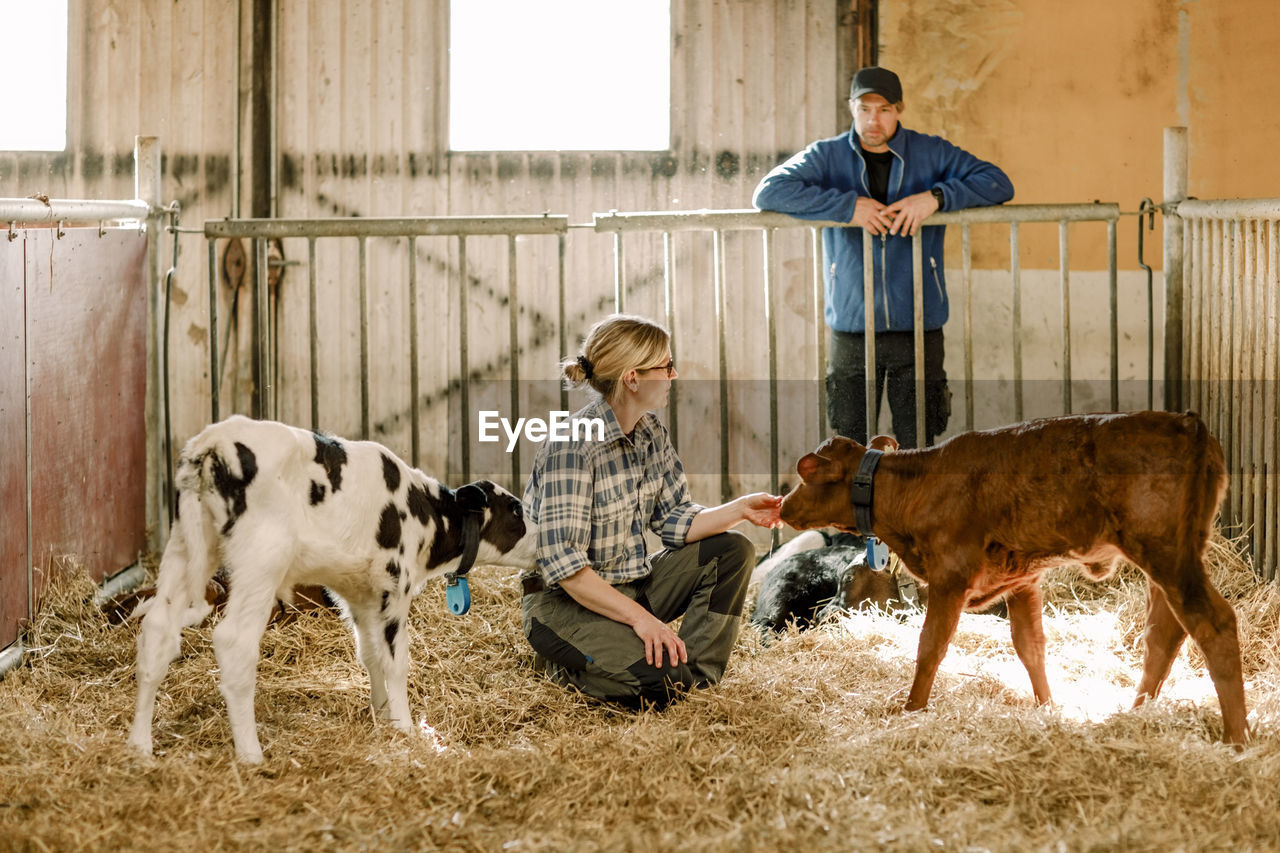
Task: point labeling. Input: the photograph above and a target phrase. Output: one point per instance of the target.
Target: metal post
(313, 322)
(146, 187)
(869, 335)
(1064, 285)
(966, 252)
(721, 335)
(669, 296)
(1015, 276)
(1175, 190)
(415, 389)
(513, 344)
(917, 334)
(820, 327)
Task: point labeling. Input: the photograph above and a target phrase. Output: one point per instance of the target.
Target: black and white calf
(279, 506)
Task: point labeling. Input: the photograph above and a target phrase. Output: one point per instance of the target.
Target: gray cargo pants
(705, 581)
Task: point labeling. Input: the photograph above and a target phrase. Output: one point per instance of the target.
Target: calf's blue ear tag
(457, 594)
(877, 554)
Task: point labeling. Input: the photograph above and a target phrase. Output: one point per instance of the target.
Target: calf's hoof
(249, 756)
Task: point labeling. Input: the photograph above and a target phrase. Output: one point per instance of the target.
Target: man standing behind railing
(885, 180)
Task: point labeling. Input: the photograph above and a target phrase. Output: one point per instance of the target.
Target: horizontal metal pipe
(377, 226)
(1245, 208)
(31, 210)
(700, 220)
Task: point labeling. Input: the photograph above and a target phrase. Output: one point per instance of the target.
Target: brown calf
(984, 514)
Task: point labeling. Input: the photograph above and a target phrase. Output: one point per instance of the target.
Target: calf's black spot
(393, 628)
(317, 493)
(231, 487)
(420, 504)
(390, 473)
(331, 455)
(393, 569)
(389, 527)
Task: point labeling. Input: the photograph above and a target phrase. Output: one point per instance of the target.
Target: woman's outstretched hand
(762, 509)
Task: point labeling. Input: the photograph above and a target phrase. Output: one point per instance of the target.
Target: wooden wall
(360, 125)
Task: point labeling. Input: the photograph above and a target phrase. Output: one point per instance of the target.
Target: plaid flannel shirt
(592, 499)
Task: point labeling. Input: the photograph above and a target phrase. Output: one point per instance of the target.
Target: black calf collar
(470, 542)
(863, 490)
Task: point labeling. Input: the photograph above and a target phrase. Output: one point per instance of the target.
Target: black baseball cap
(878, 81)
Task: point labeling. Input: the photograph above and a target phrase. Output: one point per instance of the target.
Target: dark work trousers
(895, 369)
(705, 581)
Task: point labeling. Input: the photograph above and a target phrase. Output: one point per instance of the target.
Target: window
(580, 75)
(33, 42)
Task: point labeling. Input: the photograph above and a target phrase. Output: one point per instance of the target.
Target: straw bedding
(802, 746)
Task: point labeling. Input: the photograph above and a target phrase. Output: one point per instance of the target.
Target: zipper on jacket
(933, 262)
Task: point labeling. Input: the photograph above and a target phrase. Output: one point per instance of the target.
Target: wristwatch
(936, 192)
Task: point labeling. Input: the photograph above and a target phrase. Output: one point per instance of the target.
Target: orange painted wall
(1071, 99)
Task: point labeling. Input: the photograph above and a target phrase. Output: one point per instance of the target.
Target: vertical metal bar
(262, 330)
(513, 323)
(1193, 307)
(718, 253)
(869, 334)
(273, 328)
(820, 327)
(1204, 300)
(415, 389)
(563, 316)
(966, 252)
(313, 322)
(772, 339)
(1015, 273)
(147, 166)
(1272, 376)
(364, 338)
(1258, 345)
(1175, 190)
(214, 378)
(1243, 342)
(619, 274)
(1064, 286)
(917, 330)
(1113, 286)
(669, 297)
(1213, 374)
(464, 368)
(1232, 353)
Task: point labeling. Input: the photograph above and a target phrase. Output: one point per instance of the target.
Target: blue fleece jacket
(824, 181)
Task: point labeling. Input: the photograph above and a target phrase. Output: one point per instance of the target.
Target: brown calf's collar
(863, 489)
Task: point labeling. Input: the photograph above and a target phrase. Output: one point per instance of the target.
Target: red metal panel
(86, 363)
(13, 443)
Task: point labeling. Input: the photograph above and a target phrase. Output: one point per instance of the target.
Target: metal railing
(1014, 216)
(1231, 352)
(262, 231)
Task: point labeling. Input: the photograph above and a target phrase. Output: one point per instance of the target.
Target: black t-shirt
(878, 165)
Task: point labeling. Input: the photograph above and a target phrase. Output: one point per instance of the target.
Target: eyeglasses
(669, 368)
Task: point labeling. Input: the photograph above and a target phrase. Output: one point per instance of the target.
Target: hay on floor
(803, 745)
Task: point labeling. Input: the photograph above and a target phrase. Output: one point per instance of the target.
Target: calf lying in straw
(984, 514)
(280, 506)
(815, 576)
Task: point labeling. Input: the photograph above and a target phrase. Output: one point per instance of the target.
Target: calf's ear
(813, 468)
(472, 498)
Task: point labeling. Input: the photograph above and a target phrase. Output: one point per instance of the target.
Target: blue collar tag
(877, 554)
(457, 595)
